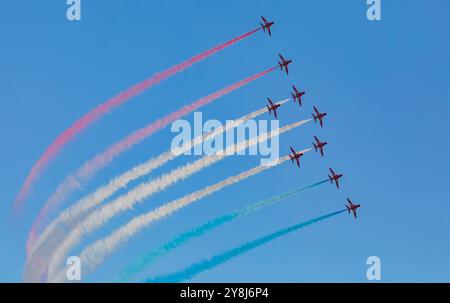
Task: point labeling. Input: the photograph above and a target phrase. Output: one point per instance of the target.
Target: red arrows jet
(352, 207)
(334, 177)
(273, 107)
(284, 63)
(297, 95)
(266, 25)
(318, 116)
(295, 156)
(319, 145)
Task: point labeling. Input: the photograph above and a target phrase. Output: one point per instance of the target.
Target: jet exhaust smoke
(70, 216)
(96, 252)
(145, 190)
(185, 237)
(217, 260)
(75, 180)
(82, 123)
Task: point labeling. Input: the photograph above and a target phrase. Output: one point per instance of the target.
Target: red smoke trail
(74, 181)
(106, 107)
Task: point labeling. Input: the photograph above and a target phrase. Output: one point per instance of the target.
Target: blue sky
(385, 86)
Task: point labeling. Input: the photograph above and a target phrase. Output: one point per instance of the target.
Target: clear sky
(385, 86)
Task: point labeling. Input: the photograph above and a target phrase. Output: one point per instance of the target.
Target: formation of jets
(317, 116)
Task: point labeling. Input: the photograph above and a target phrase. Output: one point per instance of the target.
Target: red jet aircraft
(284, 63)
(266, 25)
(295, 156)
(352, 207)
(297, 95)
(334, 177)
(319, 145)
(273, 107)
(318, 116)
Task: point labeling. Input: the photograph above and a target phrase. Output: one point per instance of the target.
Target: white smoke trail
(93, 255)
(71, 215)
(56, 231)
(99, 217)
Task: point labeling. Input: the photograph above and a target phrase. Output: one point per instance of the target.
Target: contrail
(217, 260)
(104, 108)
(97, 218)
(75, 180)
(71, 215)
(181, 239)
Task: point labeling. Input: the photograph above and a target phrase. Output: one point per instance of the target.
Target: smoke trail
(75, 180)
(69, 216)
(96, 252)
(145, 190)
(217, 260)
(181, 239)
(97, 218)
(98, 112)
(138, 194)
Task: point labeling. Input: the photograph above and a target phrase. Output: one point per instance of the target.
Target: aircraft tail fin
(348, 208)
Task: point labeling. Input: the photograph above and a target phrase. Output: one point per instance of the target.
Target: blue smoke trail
(210, 225)
(216, 260)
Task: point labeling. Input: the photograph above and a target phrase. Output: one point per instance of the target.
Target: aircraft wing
(298, 162)
(281, 57)
(321, 123)
(264, 19)
(292, 150)
(275, 112)
(270, 33)
(287, 69)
